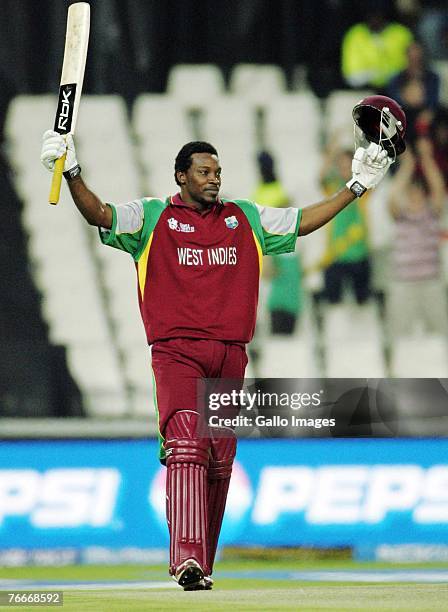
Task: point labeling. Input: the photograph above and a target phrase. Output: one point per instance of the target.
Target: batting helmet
(381, 120)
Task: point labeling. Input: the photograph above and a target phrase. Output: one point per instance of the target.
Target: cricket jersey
(198, 271)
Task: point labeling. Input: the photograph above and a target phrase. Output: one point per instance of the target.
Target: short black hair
(183, 158)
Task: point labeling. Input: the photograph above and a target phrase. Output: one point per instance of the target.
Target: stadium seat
(350, 359)
(229, 124)
(137, 365)
(106, 149)
(292, 132)
(339, 122)
(257, 83)
(352, 341)
(287, 358)
(194, 85)
(350, 321)
(290, 356)
(118, 276)
(94, 368)
(62, 246)
(162, 128)
(420, 357)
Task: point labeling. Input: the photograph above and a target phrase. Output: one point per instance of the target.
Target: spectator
(416, 69)
(433, 29)
(347, 255)
(285, 292)
(418, 115)
(375, 50)
(417, 293)
(439, 136)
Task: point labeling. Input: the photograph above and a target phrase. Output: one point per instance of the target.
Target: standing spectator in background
(419, 116)
(375, 50)
(439, 137)
(433, 28)
(417, 90)
(285, 292)
(347, 255)
(417, 291)
(417, 68)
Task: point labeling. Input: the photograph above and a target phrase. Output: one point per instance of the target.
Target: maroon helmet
(382, 120)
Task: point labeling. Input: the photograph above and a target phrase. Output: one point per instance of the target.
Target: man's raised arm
(368, 166)
(316, 215)
(89, 205)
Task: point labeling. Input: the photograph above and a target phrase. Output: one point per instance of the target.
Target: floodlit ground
(254, 585)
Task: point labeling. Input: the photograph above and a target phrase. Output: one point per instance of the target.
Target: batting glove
(369, 167)
(54, 146)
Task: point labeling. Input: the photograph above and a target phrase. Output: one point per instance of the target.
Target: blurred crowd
(393, 57)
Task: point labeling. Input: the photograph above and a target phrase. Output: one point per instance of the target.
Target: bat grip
(55, 189)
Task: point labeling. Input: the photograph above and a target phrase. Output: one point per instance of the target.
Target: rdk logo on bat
(64, 114)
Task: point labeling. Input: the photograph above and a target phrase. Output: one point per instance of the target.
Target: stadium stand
(34, 378)
(105, 123)
(292, 132)
(293, 356)
(162, 128)
(257, 82)
(420, 356)
(352, 339)
(62, 256)
(195, 84)
(339, 122)
(230, 125)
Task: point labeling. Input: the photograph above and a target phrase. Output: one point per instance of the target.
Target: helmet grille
(369, 119)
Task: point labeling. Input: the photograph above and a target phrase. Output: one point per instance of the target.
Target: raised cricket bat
(75, 53)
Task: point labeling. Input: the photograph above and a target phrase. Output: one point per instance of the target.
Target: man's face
(202, 181)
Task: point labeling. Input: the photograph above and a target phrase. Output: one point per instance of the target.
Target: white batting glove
(369, 167)
(54, 146)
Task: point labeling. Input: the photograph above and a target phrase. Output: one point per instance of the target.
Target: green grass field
(249, 585)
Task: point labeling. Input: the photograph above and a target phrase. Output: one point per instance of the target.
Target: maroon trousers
(199, 465)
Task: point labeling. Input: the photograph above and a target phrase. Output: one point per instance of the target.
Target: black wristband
(357, 189)
(72, 173)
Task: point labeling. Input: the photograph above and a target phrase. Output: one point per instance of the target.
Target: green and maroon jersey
(198, 272)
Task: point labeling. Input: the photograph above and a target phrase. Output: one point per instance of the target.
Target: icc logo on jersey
(179, 227)
(231, 222)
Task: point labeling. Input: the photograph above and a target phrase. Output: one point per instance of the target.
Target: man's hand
(369, 167)
(54, 146)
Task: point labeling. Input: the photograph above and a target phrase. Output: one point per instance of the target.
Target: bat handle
(55, 189)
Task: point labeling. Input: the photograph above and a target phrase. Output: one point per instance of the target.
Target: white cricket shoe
(190, 576)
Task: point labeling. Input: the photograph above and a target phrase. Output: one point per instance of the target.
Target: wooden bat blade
(73, 67)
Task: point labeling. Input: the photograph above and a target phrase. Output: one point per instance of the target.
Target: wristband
(69, 175)
(356, 188)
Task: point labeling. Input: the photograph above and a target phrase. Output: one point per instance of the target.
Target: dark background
(134, 43)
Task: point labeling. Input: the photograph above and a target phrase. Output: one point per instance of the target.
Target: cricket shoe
(208, 583)
(190, 576)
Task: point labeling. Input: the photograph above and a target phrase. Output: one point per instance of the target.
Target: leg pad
(223, 449)
(186, 491)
